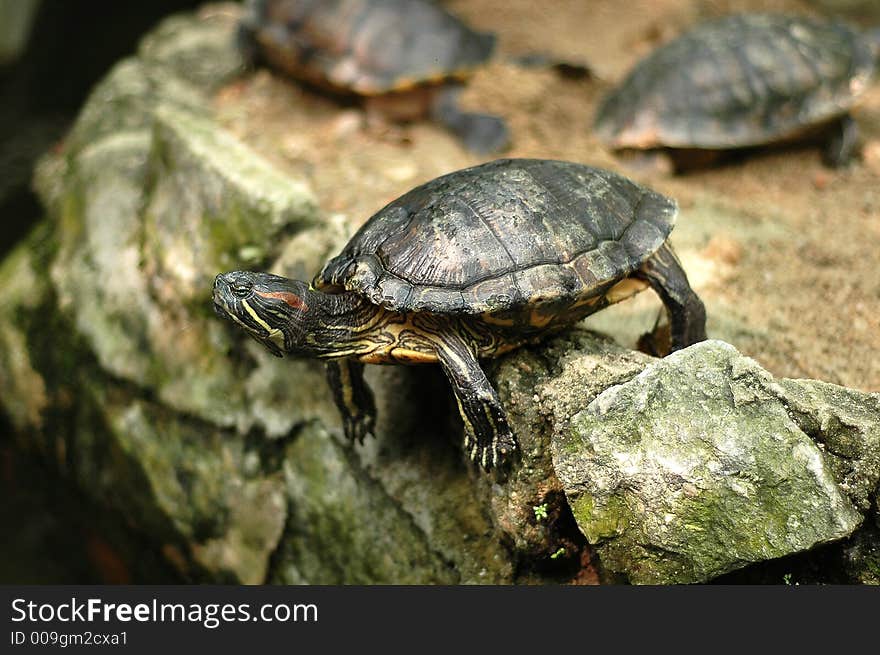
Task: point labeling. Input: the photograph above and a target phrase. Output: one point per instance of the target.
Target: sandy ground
(783, 251)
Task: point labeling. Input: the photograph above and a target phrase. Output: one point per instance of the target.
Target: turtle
(465, 267)
(405, 59)
(742, 81)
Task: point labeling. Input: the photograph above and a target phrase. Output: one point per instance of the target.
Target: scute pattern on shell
(742, 80)
(503, 235)
(366, 47)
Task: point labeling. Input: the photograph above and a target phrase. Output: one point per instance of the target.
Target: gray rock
(694, 468)
(108, 342)
(845, 424)
(153, 199)
(125, 101)
(214, 204)
(200, 52)
(25, 397)
(209, 498)
(348, 527)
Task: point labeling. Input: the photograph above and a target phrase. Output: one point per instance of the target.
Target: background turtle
(744, 80)
(405, 58)
(471, 265)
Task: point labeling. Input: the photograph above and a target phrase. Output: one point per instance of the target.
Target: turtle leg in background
(568, 68)
(842, 140)
(353, 397)
(654, 162)
(685, 160)
(687, 315)
(481, 133)
(670, 161)
(488, 439)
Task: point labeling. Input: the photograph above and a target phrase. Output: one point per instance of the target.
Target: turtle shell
(502, 236)
(365, 47)
(743, 80)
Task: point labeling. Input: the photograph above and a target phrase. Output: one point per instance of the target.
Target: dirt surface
(783, 251)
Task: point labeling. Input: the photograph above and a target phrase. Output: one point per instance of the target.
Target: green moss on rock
(25, 289)
(344, 528)
(694, 468)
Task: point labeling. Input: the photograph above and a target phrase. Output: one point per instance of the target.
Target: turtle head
(270, 308)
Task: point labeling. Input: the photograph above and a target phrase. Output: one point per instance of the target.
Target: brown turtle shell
(364, 47)
(501, 237)
(742, 80)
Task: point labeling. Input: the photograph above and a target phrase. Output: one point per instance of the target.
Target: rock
(347, 526)
(95, 273)
(210, 495)
(125, 102)
(109, 360)
(694, 468)
(541, 388)
(205, 499)
(200, 52)
(845, 424)
(214, 204)
(25, 397)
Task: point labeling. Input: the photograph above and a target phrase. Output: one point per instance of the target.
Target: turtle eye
(241, 288)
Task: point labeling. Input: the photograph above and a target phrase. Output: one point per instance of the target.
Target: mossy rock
(694, 468)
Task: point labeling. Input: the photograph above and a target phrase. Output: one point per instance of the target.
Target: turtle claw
(353, 398)
(489, 455)
(358, 428)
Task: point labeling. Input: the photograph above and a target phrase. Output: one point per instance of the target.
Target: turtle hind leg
(353, 398)
(687, 314)
(841, 145)
(488, 439)
(480, 133)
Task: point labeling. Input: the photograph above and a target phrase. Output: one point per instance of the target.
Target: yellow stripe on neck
(255, 316)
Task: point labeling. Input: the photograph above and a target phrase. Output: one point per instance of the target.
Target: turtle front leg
(842, 141)
(353, 397)
(488, 439)
(687, 315)
(483, 134)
